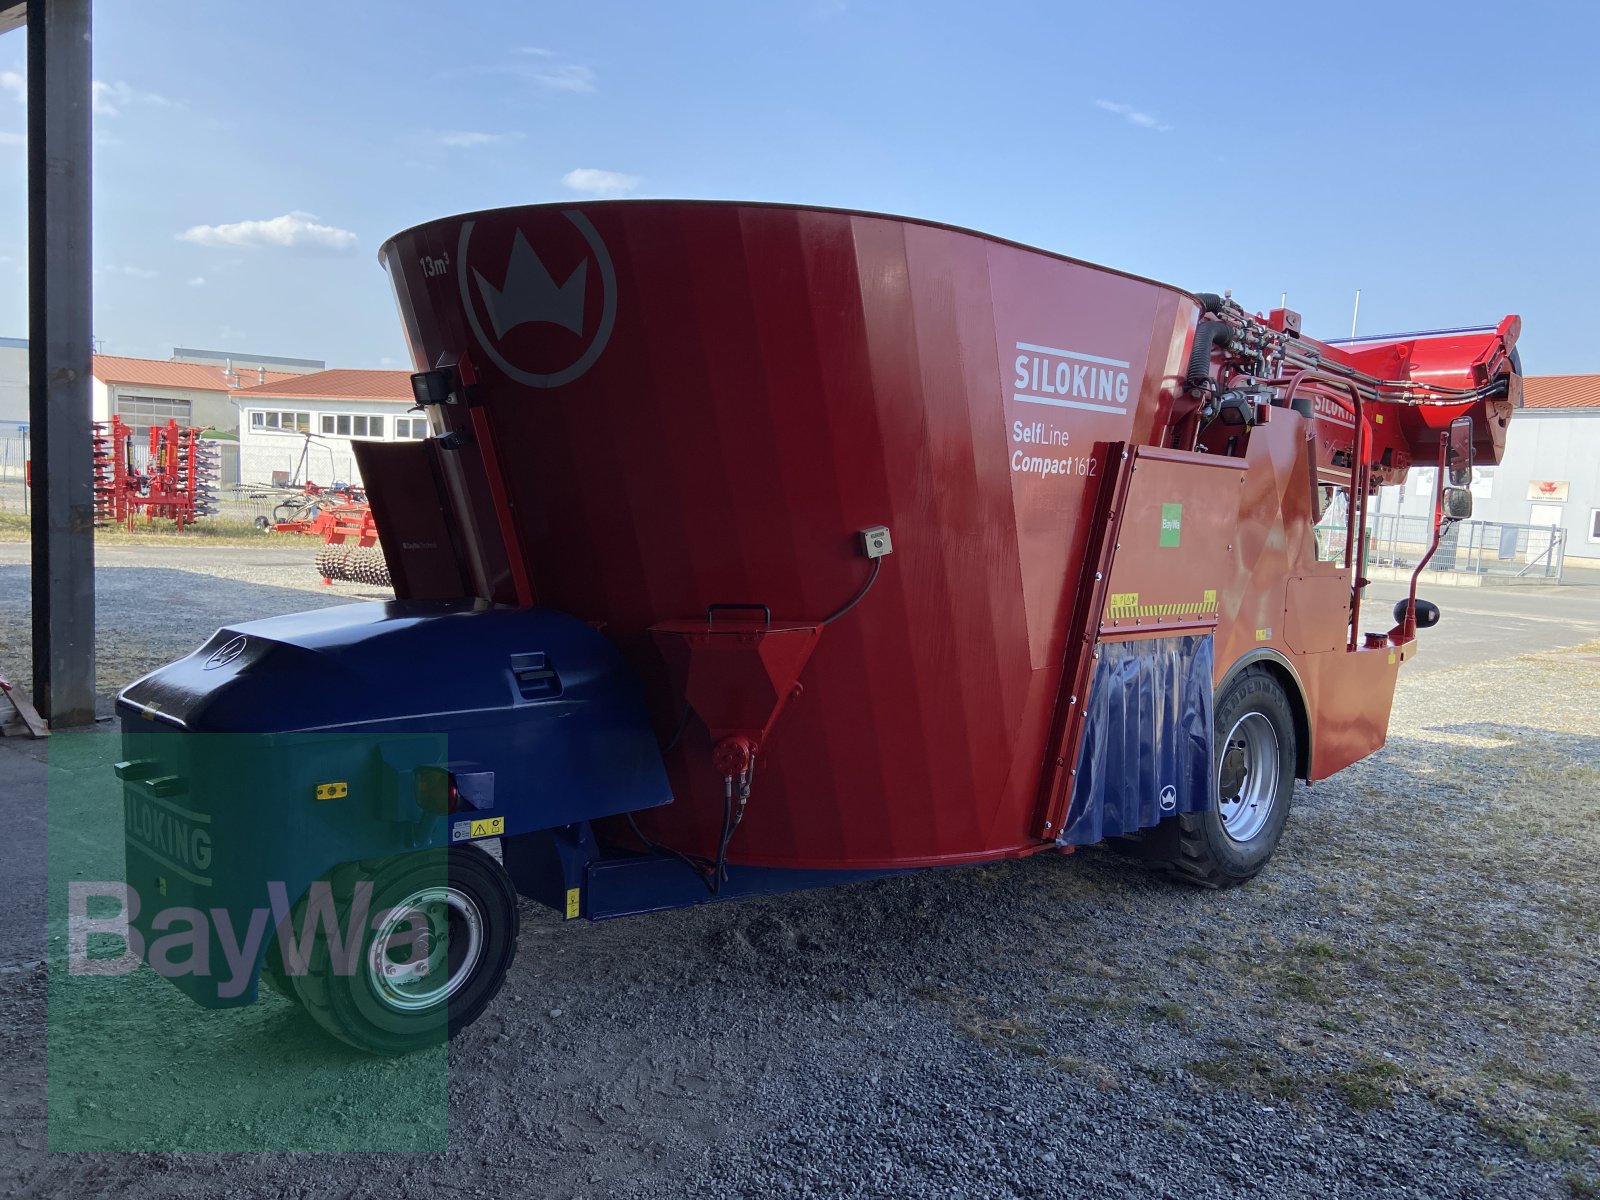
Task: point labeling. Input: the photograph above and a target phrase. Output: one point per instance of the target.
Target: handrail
(1357, 507)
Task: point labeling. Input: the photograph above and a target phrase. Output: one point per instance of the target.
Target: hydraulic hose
(1206, 335)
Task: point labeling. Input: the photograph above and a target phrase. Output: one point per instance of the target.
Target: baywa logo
(541, 299)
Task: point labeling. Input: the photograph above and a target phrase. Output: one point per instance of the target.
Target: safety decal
(487, 827)
(574, 897)
(1125, 606)
(1264, 635)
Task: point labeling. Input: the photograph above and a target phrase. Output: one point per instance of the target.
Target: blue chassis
(566, 870)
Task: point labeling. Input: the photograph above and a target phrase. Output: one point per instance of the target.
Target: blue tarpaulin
(1146, 750)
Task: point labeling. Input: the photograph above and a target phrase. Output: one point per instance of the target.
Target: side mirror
(1458, 502)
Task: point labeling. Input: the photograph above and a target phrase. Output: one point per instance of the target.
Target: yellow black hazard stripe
(1125, 606)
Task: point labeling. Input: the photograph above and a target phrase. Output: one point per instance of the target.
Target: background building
(302, 427)
(1550, 475)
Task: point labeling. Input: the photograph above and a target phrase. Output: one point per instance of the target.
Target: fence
(13, 454)
(1493, 551)
(15, 449)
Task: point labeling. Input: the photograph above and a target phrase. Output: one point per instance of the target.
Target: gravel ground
(1405, 1004)
(157, 603)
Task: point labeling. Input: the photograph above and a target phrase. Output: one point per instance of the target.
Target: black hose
(1210, 302)
(872, 578)
(1206, 335)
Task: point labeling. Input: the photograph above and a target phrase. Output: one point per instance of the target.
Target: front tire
(439, 934)
(1253, 763)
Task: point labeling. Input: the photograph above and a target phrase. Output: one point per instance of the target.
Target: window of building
(280, 421)
(348, 425)
(1594, 524)
(411, 427)
(142, 412)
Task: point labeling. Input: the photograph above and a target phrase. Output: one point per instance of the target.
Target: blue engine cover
(284, 747)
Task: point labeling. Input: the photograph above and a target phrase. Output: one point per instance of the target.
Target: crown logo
(529, 295)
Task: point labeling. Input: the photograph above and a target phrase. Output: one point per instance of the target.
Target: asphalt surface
(1479, 624)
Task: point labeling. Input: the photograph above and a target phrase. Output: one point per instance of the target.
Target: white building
(146, 392)
(302, 428)
(1549, 476)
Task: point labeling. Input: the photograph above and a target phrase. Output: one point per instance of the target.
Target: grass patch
(1544, 1137)
(1171, 1010)
(216, 531)
(1254, 1073)
(1367, 1085)
(1224, 1072)
(1101, 1076)
(1113, 1005)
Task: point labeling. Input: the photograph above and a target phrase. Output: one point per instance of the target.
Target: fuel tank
(671, 405)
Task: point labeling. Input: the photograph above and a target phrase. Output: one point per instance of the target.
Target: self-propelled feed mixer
(757, 547)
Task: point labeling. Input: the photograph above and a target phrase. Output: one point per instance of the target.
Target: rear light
(436, 791)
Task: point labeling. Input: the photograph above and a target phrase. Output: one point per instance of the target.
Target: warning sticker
(1125, 606)
(461, 831)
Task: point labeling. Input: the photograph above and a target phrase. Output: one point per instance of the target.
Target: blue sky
(250, 159)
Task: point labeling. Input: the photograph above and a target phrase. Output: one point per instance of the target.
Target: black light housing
(1236, 408)
(434, 387)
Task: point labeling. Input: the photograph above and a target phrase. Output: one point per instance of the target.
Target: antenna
(1356, 313)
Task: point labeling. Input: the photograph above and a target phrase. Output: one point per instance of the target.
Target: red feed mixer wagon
(757, 547)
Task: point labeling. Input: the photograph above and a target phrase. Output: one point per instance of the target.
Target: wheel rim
(426, 949)
(1247, 777)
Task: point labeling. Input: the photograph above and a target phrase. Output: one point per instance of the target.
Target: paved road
(1479, 624)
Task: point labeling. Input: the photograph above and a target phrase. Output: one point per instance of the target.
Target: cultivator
(351, 552)
(176, 484)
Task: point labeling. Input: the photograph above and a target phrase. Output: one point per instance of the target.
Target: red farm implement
(351, 552)
(175, 482)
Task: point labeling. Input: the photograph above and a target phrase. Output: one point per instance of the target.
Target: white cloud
(110, 99)
(600, 183)
(564, 77)
(124, 269)
(292, 231)
(198, 281)
(1132, 115)
(16, 84)
(539, 68)
(13, 139)
(468, 138)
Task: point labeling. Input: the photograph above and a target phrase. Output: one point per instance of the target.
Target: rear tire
(401, 992)
(1253, 765)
